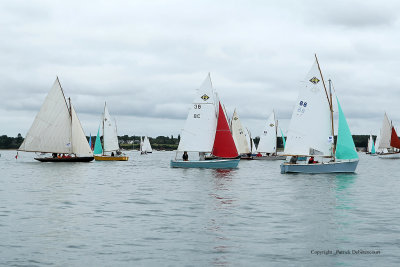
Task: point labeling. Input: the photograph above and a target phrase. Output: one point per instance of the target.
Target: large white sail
(80, 145)
(146, 145)
(385, 134)
(369, 148)
(267, 142)
(199, 131)
(239, 135)
(310, 130)
(51, 129)
(110, 137)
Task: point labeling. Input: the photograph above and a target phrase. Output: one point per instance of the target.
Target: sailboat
(389, 143)
(371, 146)
(145, 146)
(311, 131)
(57, 130)
(110, 140)
(240, 137)
(267, 147)
(206, 131)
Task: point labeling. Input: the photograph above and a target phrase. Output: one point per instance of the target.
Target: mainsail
(385, 134)
(110, 137)
(145, 145)
(267, 142)
(310, 130)
(239, 135)
(224, 146)
(199, 131)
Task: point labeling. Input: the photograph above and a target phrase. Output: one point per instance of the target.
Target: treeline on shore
(157, 143)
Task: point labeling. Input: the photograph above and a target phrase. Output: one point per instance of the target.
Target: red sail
(394, 140)
(224, 146)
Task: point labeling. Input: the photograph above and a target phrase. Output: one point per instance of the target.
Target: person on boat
(59, 156)
(185, 156)
(312, 161)
(118, 153)
(258, 154)
(112, 154)
(293, 160)
(202, 156)
(54, 155)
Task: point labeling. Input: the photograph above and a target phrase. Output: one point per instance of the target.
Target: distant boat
(371, 146)
(206, 131)
(240, 137)
(111, 151)
(145, 146)
(389, 143)
(57, 130)
(267, 147)
(311, 131)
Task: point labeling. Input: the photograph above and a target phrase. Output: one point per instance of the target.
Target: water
(143, 213)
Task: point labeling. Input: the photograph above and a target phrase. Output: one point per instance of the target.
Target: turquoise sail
(283, 138)
(90, 141)
(345, 148)
(373, 147)
(98, 149)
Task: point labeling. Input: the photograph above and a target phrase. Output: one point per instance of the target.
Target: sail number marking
(197, 106)
(196, 116)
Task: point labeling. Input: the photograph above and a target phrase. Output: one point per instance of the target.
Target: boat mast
(276, 135)
(330, 106)
(70, 115)
(104, 113)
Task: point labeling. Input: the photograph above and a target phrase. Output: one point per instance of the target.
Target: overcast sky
(146, 58)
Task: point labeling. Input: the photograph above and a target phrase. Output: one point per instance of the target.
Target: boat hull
(111, 158)
(389, 156)
(270, 158)
(328, 167)
(209, 164)
(71, 159)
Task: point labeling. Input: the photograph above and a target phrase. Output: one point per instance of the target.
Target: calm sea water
(143, 213)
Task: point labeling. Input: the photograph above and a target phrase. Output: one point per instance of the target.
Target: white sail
(239, 135)
(146, 147)
(141, 144)
(199, 131)
(253, 147)
(310, 130)
(369, 146)
(110, 137)
(385, 134)
(51, 129)
(267, 142)
(80, 145)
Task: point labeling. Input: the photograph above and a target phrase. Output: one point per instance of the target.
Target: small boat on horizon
(389, 143)
(57, 130)
(145, 147)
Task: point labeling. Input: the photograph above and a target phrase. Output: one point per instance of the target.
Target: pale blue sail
(373, 147)
(98, 149)
(283, 138)
(345, 148)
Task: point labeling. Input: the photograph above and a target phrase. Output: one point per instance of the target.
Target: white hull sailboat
(389, 143)
(111, 151)
(206, 131)
(311, 131)
(267, 147)
(57, 130)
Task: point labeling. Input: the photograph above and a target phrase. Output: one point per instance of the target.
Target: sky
(147, 58)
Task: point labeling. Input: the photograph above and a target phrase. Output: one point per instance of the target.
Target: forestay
(267, 142)
(200, 126)
(110, 138)
(239, 135)
(51, 129)
(310, 130)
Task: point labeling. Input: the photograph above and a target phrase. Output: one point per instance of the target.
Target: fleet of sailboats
(110, 151)
(57, 135)
(311, 131)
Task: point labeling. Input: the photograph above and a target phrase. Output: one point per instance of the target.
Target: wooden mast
(330, 107)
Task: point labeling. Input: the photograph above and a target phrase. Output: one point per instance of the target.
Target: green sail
(345, 148)
(283, 138)
(98, 149)
(373, 147)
